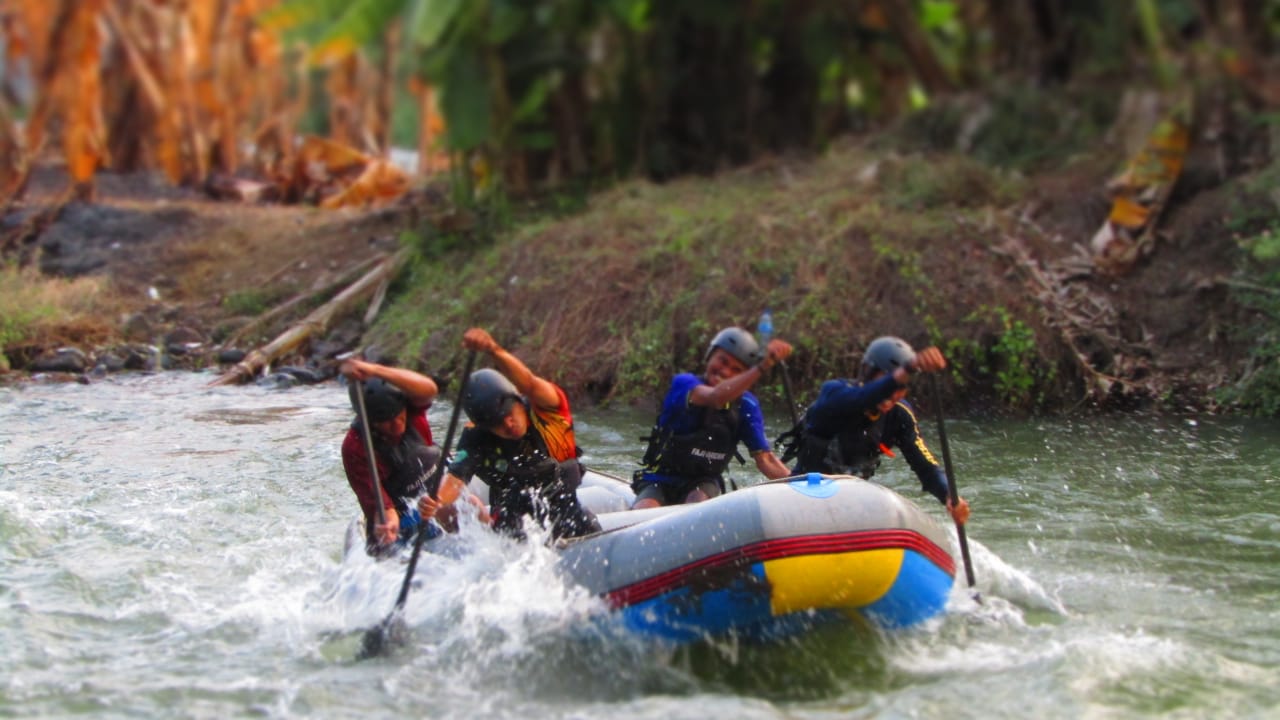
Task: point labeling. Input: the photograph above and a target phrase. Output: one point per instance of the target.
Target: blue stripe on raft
(919, 592)
(691, 612)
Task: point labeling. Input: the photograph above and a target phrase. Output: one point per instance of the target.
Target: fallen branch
(376, 303)
(1245, 285)
(300, 298)
(315, 322)
(1068, 313)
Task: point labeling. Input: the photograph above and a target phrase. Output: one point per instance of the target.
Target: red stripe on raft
(781, 548)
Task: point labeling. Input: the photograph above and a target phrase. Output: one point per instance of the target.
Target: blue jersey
(680, 417)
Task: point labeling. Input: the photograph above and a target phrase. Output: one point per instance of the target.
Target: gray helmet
(738, 343)
(382, 400)
(885, 354)
(488, 397)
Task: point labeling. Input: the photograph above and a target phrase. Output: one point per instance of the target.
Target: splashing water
(172, 549)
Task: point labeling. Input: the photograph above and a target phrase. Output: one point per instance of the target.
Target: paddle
(952, 492)
(375, 639)
(764, 331)
(786, 390)
(368, 447)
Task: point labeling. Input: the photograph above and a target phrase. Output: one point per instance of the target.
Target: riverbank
(615, 292)
(991, 265)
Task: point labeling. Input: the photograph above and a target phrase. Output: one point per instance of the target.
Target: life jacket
(537, 476)
(704, 452)
(409, 464)
(853, 450)
(532, 464)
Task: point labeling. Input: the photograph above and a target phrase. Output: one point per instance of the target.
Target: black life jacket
(704, 452)
(854, 450)
(524, 478)
(410, 463)
(527, 463)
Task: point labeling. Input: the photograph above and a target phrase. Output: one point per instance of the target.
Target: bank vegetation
(1076, 200)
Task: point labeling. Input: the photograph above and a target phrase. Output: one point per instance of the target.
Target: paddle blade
(380, 639)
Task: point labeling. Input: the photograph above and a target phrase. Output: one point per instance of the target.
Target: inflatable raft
(765, 562)
(769, 561)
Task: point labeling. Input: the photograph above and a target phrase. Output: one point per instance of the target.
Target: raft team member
(396, 401)
(853, 423)
(521, 444)
(702, 421)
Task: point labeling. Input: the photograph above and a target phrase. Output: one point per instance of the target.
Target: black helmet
(885, 354)
(738, 343)
(382, 400)
(488, 397)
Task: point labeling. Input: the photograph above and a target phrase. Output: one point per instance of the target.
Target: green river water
(168, 550)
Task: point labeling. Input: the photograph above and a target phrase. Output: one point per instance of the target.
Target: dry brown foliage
(199, 90)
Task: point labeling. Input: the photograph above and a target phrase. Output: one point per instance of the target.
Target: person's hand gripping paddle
(375, 640)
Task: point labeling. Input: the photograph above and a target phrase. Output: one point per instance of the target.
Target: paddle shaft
(764, 332)
(368, 448)
(786, 390)
(952, 491)
(433, 482)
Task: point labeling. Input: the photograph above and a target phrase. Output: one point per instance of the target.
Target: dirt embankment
(188, 274)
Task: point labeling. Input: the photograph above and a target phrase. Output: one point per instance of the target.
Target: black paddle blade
(379, 640)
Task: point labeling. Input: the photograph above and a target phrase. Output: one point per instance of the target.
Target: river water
(173, 550)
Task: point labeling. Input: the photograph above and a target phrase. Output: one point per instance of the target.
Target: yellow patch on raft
(851, 579)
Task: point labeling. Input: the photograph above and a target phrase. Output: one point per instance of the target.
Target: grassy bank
(36, 312)
(843, 248)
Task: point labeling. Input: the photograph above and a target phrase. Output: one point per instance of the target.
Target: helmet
(738, 343)
(885, 354)
(488, 397)
(382, 400)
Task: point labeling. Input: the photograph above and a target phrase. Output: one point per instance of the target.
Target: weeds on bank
(618, 296)
(251, 302)
(917, 183)
(1011, 359)
(1021, 128)
(35, 310)
(1255, 220)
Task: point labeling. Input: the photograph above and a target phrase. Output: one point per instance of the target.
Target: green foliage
(920, 183)
(565, 89)
(18, 318)
(465, 100)
(644, 365)
(964, 358)
(1255, 219)
(31, 305)
(1258, 391)
(1011, 361)
(1265, 246)
(307, 18)
(1017, 126)
(1015, 353)
(363, 22)
(431, 20)
(436, 300)
(247, 302)
(906, 260)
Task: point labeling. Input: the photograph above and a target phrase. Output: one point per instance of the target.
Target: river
(173, 550)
